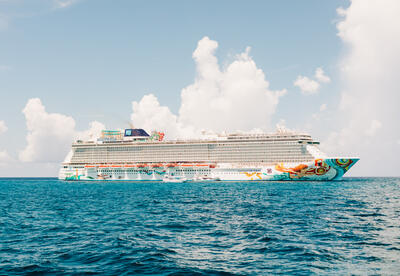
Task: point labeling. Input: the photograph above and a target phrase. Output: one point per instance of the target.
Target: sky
(70, 68)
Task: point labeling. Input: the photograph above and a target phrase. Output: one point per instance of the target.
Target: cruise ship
(134, 155)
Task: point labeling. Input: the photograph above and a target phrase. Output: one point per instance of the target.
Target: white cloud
(341, 11)
(306, 85)
(5, 158)
(3, 127)
(11, 10)
(64, 3)
(49, 134)
(317, 116)
(150, 115)
(370, 70)
(371, 32)
(320, 75)
(373, 128)
(309, 86)
(234, 98)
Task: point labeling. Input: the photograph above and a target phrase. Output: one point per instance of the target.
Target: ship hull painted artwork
(319, 170)
(137, 156)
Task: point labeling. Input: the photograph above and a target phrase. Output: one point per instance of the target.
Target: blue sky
(90, 59)
(95, 48)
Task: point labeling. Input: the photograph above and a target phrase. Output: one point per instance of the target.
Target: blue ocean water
(211, 228)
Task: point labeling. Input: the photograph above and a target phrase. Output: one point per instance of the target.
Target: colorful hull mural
(318, 170)
(322, 169)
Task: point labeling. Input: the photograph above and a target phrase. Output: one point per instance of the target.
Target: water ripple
(58, 228)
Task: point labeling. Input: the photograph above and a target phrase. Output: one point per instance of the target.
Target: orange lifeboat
(142, 165)
(171, 165)
(156, 165)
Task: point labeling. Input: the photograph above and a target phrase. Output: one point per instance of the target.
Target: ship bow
(341, 165)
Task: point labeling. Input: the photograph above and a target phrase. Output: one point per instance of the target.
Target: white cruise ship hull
(323, 169)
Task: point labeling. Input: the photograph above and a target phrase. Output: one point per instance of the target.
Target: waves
(52, 227)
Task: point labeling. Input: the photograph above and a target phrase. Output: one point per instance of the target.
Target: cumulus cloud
(92, 133)
(50, 134)
(371, 32)
(150, 115)
(233, 98)
(4, 156)
(3, 127)
(320, 75)
(309, 86)
(306, 85)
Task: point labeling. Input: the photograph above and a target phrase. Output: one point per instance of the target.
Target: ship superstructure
(136, 155)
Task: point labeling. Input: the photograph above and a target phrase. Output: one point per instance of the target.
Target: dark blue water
(53, 227)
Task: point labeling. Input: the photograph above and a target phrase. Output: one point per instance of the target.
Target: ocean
(212, 228)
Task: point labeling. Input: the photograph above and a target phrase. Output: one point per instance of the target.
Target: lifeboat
(171, 165)
(142, 165)
(90, 166)
(202, 165)
(186, 165)
(156, 165)
(116, 166)
(130, 166)
(212, 166)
